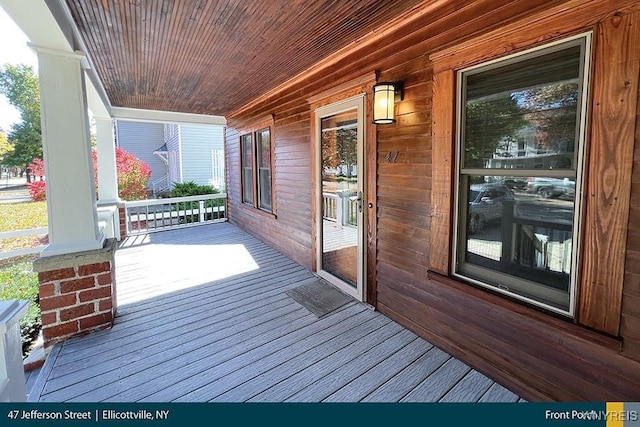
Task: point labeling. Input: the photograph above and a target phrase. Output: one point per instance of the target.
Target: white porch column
(107, 174)
(71, 198)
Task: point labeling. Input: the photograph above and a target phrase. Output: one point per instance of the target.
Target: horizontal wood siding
(539, 356)
(142, 139)
(197, 143)
(290, 229)
(404, 171)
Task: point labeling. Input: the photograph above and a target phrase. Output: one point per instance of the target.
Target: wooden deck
(203, 316)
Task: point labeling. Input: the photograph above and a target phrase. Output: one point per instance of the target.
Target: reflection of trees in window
(552, 110)
(490, 123)
(329, 157)
(346, 145)
(339, 148)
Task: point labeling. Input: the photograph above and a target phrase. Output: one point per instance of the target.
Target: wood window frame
(243, 166)
(492, 276)
(609, 156)
(267, 123)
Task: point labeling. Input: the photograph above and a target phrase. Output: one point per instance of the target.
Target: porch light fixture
(384, 97)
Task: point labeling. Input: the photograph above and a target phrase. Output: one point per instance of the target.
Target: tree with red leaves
(133, 175)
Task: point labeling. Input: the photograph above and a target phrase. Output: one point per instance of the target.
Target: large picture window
(520, 144)
(256, 169)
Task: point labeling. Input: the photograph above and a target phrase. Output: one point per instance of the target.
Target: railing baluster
(201, 213)
(174, 213)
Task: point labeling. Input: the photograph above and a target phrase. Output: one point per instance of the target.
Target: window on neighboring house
(256, 169)
(520, 144)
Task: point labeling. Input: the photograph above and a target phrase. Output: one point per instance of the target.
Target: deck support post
(107, 173)
(71, 196)
(76, 270)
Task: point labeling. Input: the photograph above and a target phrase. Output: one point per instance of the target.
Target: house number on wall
(392, 157)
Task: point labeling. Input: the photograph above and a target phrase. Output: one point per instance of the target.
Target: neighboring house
(142, 139)
(175, 153)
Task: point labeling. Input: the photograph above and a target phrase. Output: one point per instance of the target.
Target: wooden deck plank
(497, 394)
(401, 384)
(347, 372)
(147, 286)
(227, 287)
(266, 379)
(41, 382)
(366, 383)
(250, 354)
(215, 363)
(439, 383)
(285, 389)
(149, 342)
(192, 335)
(470, 389)
(182, 320)
(251, 370)
(146, 370)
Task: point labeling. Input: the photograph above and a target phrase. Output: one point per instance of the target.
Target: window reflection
(521, 230)
(518, 117)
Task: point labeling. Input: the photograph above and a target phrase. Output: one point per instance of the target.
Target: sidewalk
(14, 190)
(8, 183)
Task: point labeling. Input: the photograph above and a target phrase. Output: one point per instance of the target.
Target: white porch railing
(330, 206)
(160, 184)
(22, 233)
(341, 207)
(145, 216)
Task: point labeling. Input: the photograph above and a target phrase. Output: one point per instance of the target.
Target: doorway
(340, 194)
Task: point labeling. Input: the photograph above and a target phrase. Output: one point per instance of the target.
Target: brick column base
(77, 292)
(123, 221)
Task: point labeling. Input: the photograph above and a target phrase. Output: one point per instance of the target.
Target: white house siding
(142, 139)
(200, 146)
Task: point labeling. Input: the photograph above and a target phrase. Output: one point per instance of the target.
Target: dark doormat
(319, 297)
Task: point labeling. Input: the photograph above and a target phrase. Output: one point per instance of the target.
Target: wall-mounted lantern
(385, 96)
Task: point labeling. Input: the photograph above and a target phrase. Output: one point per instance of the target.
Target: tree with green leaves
(490, 122)
(19, 84)
(5, 147)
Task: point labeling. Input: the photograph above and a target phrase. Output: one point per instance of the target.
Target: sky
(13, 50)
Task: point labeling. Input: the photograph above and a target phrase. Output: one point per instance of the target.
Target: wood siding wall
(539, 356)
(290, 229)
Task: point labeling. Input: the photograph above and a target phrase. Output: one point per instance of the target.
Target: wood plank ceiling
(214, 56)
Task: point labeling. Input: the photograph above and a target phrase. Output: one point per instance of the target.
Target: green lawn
(21, 216)
(17, 278)
(19, 281)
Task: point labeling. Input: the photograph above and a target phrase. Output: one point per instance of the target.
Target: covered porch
(204, 315)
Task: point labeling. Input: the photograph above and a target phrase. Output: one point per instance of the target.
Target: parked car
(486, 204)
(551, 187)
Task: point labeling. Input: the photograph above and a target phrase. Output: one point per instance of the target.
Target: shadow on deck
(203, 316)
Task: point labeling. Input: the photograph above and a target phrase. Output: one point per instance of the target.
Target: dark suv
(486, 204)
